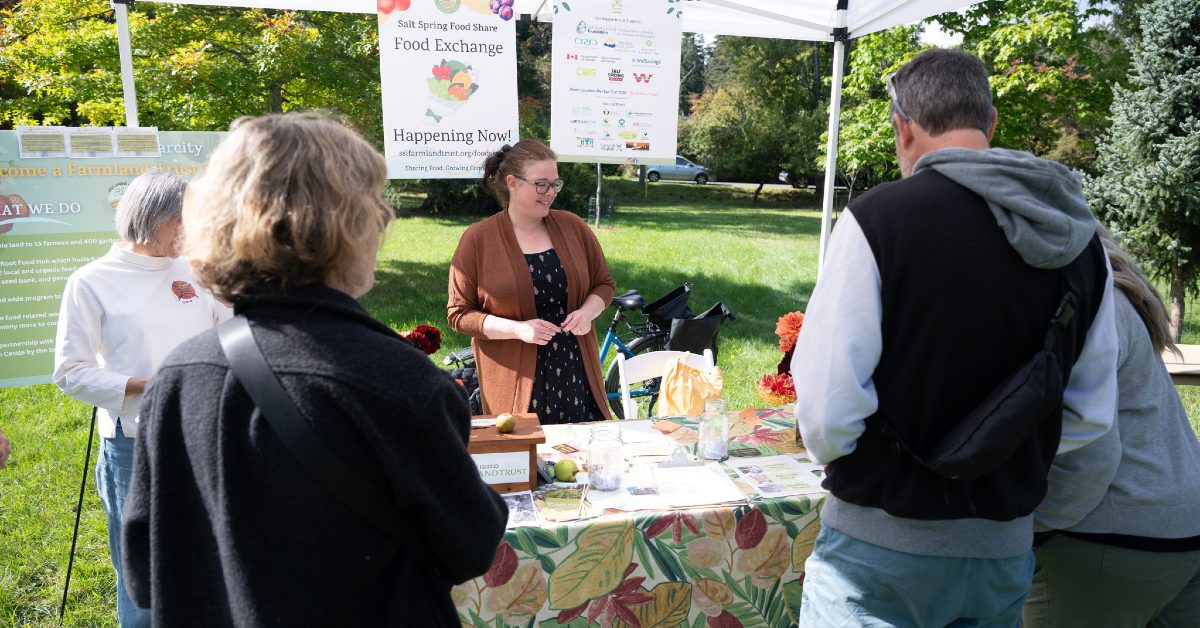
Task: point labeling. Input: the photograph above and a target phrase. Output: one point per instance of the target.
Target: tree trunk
(760, 187)
(1177, 296)
(275, 98)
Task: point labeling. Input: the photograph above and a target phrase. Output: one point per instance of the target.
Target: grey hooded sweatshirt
(1038, 204)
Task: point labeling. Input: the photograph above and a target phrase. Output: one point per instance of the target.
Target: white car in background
(683, 170)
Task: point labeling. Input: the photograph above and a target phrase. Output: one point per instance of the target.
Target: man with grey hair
(935, 290)
(120, 317)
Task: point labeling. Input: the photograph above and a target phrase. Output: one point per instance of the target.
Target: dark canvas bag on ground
(1008, 416)
(699, 332)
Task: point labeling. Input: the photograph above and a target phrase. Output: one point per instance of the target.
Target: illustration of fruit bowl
(450, 87)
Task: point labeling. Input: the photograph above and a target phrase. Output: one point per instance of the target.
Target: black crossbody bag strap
(323, 465)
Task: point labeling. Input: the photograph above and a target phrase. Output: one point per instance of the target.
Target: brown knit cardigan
(489, 275)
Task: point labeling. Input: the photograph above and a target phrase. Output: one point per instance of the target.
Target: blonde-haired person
(120, 317)
(223, 525)
(526, 284)
(1134, 559)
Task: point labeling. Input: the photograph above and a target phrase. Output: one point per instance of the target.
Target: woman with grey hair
(120, 316)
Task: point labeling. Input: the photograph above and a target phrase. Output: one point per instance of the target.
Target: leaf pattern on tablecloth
(793, 592)
(674, 521)
(718, 523)
(504, 565)
(802, 545)
(724, 620)
(521, 597)
(767, 561)
(669, 606)
(719, 566)
(596, 567)
(780, 440)
(750, 529)
(711, 596)
(708, 553)
(618, 606)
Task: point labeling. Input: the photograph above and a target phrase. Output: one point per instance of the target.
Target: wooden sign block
(508, 462)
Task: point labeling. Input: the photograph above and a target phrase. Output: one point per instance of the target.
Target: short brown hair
(286, 200)
(512, 160)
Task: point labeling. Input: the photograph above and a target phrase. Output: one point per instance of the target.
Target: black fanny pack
(1008, 416)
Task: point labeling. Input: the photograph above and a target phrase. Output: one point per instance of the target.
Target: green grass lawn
(759, 259)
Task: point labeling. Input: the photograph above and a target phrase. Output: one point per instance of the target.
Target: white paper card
(696, 485)
(91, 141)
(503, 467)
(37, 142)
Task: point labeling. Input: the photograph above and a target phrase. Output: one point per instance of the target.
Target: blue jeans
(851, 583)
(113, 468)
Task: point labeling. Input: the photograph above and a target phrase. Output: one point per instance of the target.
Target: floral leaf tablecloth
(721, 566)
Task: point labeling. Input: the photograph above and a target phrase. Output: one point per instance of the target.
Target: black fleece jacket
(224, 527)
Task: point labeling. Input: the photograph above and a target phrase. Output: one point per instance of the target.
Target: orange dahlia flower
(788, 328)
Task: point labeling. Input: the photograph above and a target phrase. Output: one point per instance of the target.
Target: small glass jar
(606, 458)
(714, 431)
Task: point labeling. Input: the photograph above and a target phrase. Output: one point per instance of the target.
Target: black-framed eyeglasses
(891, 88)
(541, 187)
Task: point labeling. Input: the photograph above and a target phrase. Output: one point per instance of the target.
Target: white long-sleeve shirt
(120, 317)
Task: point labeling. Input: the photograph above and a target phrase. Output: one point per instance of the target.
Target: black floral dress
(560, 388)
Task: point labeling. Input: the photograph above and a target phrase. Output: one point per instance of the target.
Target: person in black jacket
(223, 526)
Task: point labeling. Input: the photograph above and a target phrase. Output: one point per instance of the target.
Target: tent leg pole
(121, 12)
(831, 150)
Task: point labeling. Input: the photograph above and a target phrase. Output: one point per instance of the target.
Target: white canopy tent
(809, 20)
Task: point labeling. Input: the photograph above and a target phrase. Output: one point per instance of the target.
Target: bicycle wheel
(644, 393)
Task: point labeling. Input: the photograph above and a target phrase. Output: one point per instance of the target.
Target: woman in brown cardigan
(526, 284)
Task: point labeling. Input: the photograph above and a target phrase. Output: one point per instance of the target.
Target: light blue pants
(851, 583)
(113, 468)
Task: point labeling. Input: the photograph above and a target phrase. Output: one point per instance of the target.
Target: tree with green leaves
(196, 68)
(758, 115)
(1148, 189)
(866, 145)
(692, 59)
(1051, 73)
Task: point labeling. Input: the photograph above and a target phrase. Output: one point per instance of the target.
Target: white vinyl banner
(448, 73)
(614, 81)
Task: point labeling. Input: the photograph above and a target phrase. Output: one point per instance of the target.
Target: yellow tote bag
(685, 388)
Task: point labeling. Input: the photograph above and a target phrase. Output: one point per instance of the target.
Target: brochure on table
(448, 75)
(776, 476)
(614, 81)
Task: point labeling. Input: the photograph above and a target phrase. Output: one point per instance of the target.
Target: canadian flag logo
(572, 57)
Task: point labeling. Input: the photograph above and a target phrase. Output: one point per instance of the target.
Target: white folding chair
(650, 365)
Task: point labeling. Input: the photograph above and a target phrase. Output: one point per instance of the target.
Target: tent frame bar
(124, 48)
(779, 17)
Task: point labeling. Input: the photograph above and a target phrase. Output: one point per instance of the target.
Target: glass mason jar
(606, 458)
(714, 431)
